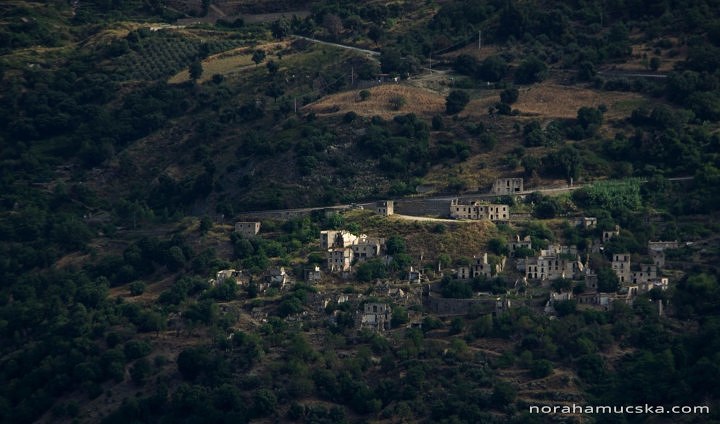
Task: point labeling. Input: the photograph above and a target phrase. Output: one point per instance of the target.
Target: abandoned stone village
(555, 270)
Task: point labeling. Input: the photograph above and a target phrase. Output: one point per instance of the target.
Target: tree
(395, 245)
(531, 70)
(272, 67)
(561, 284)
(399, 316)
(565, 307)
(608, 281)
(333, 24)
(589, 118)
(137, 288)
(497, 246)
(509, 95)
(546, 209)
(264, 403)
(456, 326)
(456, 289)
(375, 33)
(586, 71)
(503, 394)
(541, 368)
(437, 123)
(466, 65)
(140, 371)
(370, 270)
(206, 224)
(196, 70)
(191, 362)
(566, 162)
(392, 61)
(258, 56)
(492, 69)
(456, 102)
(654, 63)
(397, 102)
(280, 28)
(135, 349)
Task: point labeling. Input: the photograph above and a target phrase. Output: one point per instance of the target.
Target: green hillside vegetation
(125, 158)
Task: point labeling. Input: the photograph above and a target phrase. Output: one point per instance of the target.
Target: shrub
(456, 102)
(397, 102)
(137, 288)
(509, 95)
(350, 116)
(541, 368)
(531, 70)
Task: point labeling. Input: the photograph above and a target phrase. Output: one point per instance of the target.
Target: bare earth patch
(417, 100)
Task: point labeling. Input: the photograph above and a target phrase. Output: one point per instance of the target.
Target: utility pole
(352, 76)
(295, 104)
(479, 40)
(431, 62)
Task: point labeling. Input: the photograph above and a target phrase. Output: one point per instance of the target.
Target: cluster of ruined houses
(558, 262)
(479, 210)
(563, 262)
(274, 277)
(345, 248)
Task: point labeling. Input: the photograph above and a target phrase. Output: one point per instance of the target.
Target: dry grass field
(228, 63)
(417, 100)
(552, 101)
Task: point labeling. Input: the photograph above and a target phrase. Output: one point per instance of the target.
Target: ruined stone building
(621, 265)
(517, 243)
(503, 186)
(277, 277)
(415, 275)
(656, 250)
(336, 238)
(662, 245)
(247, 229)
(584, 222)
(376, 316)
(607, 235)
(644, 273)
(480, 267)
(340, 259)
(365, 247)
(461, 209)
(313, 275)
(344, 248)
(385, 207)
(237, 276)
(553, 263)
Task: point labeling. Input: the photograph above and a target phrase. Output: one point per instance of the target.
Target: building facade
(385, 207)
(460, 209)
(247, 229)
(503, 186)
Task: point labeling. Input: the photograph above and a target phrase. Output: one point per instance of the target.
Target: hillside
(135, 134)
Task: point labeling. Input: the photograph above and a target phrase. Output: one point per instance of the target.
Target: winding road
(341, 46)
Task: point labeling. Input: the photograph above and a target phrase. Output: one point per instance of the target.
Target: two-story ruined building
(503, 186)
(247, 229)
(474, 209)
(344, 248)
